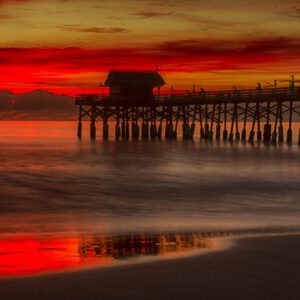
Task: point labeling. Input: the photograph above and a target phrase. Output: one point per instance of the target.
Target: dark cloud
(35, 101)
(163, 3)
(152, 14)
(78, 28)
(219, 47)
(202, 53)
(294, 12)
(204, 22)
(274, 45)
(5, 17)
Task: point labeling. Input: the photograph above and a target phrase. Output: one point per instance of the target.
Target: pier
(216, 115)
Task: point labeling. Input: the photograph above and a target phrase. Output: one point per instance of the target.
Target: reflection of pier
(129, 246)
(26, 255)
(216, 115)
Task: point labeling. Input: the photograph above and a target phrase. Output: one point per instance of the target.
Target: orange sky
(68, 46)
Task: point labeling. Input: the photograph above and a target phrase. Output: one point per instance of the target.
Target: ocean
(52, 183)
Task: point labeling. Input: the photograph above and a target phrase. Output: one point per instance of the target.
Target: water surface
(51, 183)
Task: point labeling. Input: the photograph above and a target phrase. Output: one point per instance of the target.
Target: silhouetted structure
(132, 104)
(133, 86)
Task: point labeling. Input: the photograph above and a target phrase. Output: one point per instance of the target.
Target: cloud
(294, 12)
(78, 28)
(151, 14)
(219, 48)
(203, 52)
(72, 67)
(274, 45)
(5, 2)
(5, 17)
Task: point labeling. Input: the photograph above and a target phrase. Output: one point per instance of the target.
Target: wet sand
(264, 267)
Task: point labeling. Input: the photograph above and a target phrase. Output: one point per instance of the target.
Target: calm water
(53, 184)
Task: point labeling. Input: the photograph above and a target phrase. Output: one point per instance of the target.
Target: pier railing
(229, 96)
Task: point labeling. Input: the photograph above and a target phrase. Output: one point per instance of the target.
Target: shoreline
(251, 267)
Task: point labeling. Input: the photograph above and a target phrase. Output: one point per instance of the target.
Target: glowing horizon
(68, 47)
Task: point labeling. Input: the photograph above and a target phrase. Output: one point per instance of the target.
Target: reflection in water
(23, 255)
(120, 247)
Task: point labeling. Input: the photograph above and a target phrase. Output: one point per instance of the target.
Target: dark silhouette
(132, 86)
(131, 101)
(34, 101)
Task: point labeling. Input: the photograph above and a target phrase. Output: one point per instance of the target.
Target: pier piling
(211, 132)
(259, 135)
(206, 127)
(159, 131)
(274, 138)
(135, 131)
(289, 137)
(145, 131)
(225, 132)
(218, 127)
(218, 132)
(202, 132)
(280, 134)
(267, 133)
(153, 131)
(244, 131)
(170, 131)
(185, 131)
(93, 122)
(79, 129)
(92, 130)
(127, 131)
(192, 131)
(117, 131)
(123, 130)
(274, 133)
(237, 133)
(252, 132)
(105, 131)
(206, 131)
(232, 125)
(216, 114)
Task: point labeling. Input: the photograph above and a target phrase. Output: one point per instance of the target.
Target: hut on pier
(133, 86)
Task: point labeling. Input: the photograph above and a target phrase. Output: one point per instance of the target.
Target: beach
(254, 267)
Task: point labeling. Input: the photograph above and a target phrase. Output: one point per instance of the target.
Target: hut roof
(138, 78)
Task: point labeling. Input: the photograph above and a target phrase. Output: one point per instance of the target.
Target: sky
(67, 47)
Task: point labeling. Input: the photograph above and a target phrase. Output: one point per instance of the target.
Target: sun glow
(67, 47)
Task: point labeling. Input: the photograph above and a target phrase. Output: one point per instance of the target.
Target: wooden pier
(220, 115)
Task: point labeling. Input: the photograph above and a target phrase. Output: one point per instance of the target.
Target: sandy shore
(254, 268)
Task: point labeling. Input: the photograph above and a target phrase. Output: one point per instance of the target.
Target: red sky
(68, 46)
